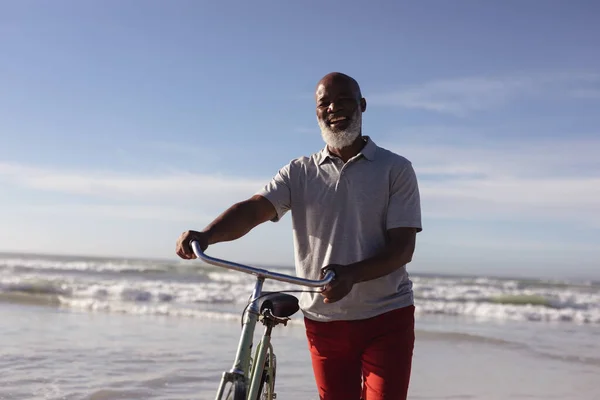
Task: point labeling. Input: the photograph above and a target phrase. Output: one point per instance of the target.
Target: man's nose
(333, 106)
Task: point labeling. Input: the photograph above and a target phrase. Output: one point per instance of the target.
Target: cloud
(470, 179)
(463, 96)
(555, 180)
(121, 212)
(586, 94)
(490, 198)
(167, 196)
(186, 150)
(114, 184)
(550, 158)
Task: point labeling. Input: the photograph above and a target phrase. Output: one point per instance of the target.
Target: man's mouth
(337, 120)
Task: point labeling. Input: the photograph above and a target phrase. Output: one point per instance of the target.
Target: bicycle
(249, 376)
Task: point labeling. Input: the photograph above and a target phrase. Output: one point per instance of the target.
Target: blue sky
(123, 124)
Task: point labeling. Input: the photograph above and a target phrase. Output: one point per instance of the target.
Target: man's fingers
(179, 250)
(183, 248)
(330, 300)
(186, 256)
(185, 245)
(329, 294)
(182, 254)
(327, 289)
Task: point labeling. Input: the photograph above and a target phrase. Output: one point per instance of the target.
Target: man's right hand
(183, 248)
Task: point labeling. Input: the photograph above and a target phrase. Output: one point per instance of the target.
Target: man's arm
(240, 219)
(398, 251)
(235, 222)
(269, 204)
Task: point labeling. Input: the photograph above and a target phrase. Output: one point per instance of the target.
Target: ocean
(100, 328)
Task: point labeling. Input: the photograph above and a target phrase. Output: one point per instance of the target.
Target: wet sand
(50, 353)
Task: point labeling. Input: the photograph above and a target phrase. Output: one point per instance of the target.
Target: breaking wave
(194, 290)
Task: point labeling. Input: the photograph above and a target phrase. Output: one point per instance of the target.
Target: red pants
(367, 359)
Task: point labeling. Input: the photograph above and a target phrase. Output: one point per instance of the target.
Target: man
(356, 210)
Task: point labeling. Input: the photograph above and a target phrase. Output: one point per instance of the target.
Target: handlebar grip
(329, 276)
(196, 248)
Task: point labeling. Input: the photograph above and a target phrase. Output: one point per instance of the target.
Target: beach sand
(53, 353)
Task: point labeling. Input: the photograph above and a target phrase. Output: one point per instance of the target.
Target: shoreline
(448, 329)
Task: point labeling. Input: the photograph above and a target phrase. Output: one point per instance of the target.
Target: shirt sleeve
(278, 192)
(404, 209)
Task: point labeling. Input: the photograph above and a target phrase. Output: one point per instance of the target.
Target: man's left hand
(340, 286)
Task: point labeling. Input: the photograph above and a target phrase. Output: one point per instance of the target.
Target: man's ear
(363, 104)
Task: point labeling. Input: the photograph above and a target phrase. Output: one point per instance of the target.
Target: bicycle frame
(241, 365)
(241, 369)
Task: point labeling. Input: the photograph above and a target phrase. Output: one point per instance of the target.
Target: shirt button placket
(342, 173)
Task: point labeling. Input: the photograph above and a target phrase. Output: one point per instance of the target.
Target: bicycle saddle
(281, 305)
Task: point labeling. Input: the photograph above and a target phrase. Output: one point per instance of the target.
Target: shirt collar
(368, 151)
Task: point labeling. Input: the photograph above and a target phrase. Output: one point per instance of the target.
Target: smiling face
(339, 110)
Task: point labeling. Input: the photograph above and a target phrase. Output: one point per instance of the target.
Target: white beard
(342, 139)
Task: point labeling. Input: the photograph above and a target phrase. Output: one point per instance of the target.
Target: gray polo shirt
(340, 214)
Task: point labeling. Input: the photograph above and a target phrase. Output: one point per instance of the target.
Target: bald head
(340, 79)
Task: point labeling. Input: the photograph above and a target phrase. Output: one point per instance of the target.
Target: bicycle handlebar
(261, 273)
